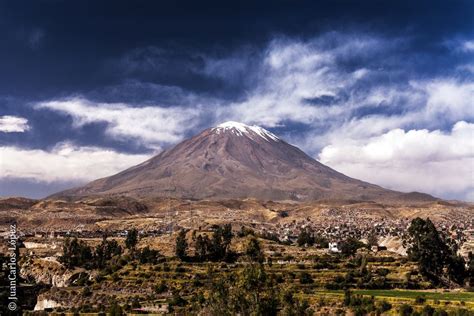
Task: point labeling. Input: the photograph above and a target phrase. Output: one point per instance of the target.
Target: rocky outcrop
(48, 271)
(44, 303)
(393, 244)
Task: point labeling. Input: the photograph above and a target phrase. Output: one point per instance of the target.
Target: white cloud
(13, 124)
(468, 46)
(150, 125)
(449, 99)
(293, 72)
(65, 162)
(440, 163)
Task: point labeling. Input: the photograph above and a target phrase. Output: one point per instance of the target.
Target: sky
(382, 91)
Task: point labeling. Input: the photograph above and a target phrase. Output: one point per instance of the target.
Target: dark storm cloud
(83, 35)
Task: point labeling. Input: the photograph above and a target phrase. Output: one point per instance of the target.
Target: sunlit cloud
(149, 125)
(65, 162)
(13, 124)
(468, 46)
(415, 160)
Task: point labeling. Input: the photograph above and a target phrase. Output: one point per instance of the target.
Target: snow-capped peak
(241, 129)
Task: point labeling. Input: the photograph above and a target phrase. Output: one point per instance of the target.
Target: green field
(402, 294)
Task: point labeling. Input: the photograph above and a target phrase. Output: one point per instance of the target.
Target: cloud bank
(65, 162)
(441, 163)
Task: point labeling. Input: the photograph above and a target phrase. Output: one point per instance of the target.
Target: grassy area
(402, 294)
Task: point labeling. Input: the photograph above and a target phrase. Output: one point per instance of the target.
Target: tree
(181, 245)
(227, 237)
(105, 251)
(372, 239)
(201, 248)
(76, 253)
(250, 291)
(456, 267)
(217, 245)
(305, 237)
(349, 246)
(132, 239)
(147, 255)
(217, 248)
(321, 241)
(254, 251)
(432, 251)
(293, 306)
(470, 269)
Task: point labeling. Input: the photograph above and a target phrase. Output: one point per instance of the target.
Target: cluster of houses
(332, 224)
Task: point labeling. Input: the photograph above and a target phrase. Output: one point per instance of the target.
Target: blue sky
(380, 90)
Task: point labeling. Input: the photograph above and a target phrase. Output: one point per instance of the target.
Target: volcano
(234, 160)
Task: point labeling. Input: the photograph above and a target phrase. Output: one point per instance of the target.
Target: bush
(115, 277)
(86, 291)
(463, 312)
(161, 287)
(427, 311)
(147, 255)
(177, 300)
(405, 310)
(383, 272)
(115, 310)
(359, 304)
(305, 278)
(420, 300)
(384, 306)
(440, 312)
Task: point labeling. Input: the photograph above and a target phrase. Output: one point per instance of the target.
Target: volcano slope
(234, 160)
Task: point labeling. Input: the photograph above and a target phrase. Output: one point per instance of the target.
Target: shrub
(463, 312)
(115, 277)
(305, 278)
(405, 310)
(420, 300)
(440, 312)
(161, 287)
(427, 311)
(115, 310)
(86, 291)
(384, 306)
(383, 272)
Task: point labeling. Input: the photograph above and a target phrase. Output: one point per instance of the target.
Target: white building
(333, 247)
